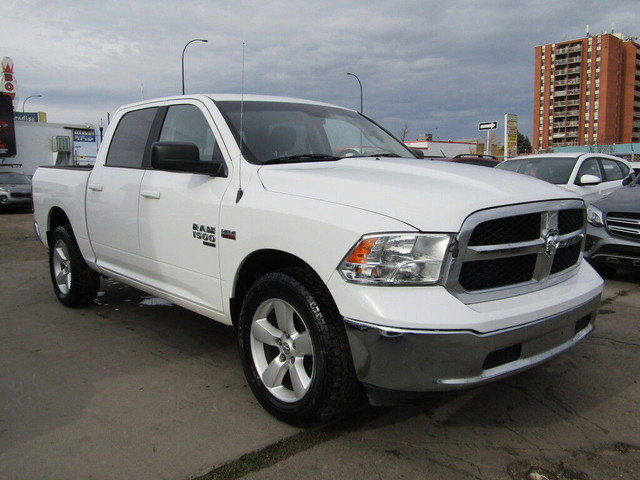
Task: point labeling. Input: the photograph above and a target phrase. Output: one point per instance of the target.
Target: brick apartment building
(587, 92)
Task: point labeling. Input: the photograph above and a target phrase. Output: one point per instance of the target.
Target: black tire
(294, 349)
(74, 283)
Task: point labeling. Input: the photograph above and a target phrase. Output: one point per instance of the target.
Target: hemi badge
(230, 234)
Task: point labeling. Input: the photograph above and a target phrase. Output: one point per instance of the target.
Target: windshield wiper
(386, 154)
(305, 157)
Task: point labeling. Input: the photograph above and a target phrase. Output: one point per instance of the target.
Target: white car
(590, 175)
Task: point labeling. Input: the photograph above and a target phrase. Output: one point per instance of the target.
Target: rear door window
(129, 141)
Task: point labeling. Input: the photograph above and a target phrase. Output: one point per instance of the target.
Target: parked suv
(591, 175)
(613, 233)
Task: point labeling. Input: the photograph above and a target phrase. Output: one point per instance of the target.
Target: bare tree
(404, 132)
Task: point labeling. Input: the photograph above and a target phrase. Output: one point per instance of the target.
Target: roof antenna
(240, 192)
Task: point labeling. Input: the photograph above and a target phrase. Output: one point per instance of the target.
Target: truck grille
(624, 225)
(504, 251)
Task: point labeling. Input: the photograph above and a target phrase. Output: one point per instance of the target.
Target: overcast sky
(441, 66)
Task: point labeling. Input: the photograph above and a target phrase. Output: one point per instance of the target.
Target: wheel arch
(57, 217)
(260, 263)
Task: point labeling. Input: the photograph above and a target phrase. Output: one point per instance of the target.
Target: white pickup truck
(344, 262)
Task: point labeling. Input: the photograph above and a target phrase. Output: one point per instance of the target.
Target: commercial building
(39, 143)
(587, 92)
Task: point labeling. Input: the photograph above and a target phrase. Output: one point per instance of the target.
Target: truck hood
(426, 194)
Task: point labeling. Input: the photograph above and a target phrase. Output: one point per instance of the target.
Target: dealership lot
(133, 387)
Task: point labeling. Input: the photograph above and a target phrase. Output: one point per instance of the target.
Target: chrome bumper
(413, 361)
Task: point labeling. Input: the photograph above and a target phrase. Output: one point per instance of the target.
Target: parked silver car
(15, 190)
(591, 175)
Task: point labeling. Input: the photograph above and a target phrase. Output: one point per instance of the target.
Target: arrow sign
(487, 126)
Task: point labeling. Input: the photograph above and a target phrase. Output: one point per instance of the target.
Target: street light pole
(183, 50)
(25, 100)
(359, 83)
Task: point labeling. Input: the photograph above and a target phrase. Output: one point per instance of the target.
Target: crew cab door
(113, 194)
(179, 214)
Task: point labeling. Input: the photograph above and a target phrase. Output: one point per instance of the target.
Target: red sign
(8, 82)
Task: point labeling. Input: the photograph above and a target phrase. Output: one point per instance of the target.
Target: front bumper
(602, 248)
(396, 363)
(13, 199)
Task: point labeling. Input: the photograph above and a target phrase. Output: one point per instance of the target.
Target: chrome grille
(505, 251)
(624, 225)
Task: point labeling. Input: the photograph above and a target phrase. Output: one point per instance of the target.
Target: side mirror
(183, 157)
(628, 179)
(417, 152)
(589, 180)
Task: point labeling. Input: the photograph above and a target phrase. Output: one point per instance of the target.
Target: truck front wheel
(74, 283)
(294, 349)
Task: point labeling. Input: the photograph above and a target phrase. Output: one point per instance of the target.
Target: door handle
(96, 187)
(150, 194)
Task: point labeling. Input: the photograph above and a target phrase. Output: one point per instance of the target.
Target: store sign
(32, 117)
(7, 129)
(84, 136)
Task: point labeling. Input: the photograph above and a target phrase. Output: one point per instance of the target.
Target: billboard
(7, 128)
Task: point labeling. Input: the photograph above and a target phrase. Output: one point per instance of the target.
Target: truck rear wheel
(74, 283)
(294, 349)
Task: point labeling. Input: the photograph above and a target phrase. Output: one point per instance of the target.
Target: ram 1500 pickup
(345, 263)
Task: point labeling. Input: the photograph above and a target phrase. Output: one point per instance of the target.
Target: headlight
(4, 190)
(595, 216)
(397, 259)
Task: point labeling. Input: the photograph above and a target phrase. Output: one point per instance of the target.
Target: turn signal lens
(360, 253)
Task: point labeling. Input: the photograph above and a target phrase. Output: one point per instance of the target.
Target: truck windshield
(280, 132)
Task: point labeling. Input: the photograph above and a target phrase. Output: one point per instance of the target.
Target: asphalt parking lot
(133, 387)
